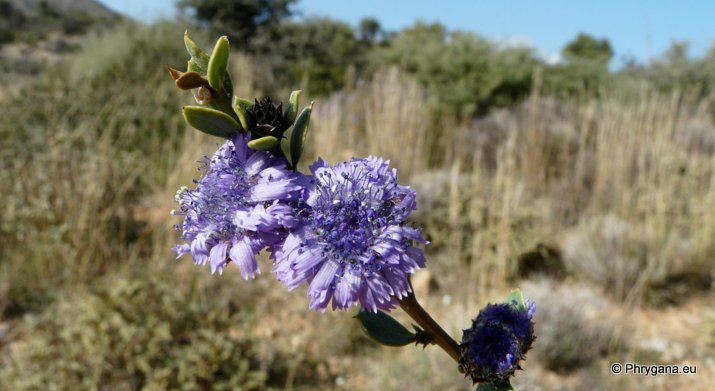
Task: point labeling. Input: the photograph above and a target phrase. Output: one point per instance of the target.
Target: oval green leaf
(210, 121)
(191, 66)
(218, 63)
(241, 107)
(384, 329)
(199, 59)
(263, 143)
(291, 110)
(297, 137)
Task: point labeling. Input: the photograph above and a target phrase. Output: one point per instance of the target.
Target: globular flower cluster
(237, 207)
(500, 336)
(352, 245)
(342, 230)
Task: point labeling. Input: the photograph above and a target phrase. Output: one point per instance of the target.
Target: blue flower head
(352, 245)
(496, 343)
(236, 209)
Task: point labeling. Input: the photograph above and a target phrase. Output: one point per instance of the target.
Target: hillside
(35, 34)
(32, 20)
(90, 7)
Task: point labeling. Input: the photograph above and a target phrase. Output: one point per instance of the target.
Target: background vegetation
(592, 189)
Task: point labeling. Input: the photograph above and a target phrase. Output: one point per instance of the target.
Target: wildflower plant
(341, 230)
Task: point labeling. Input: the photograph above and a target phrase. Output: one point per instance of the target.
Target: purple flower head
(235, 210)
(499, 338)
(352, 245)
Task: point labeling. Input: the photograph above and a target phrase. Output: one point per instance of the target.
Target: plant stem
(440, 337)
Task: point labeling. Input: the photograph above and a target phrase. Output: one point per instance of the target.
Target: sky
(639, 30)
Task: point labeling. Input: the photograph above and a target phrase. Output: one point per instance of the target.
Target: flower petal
(256, 162)
(346, 289)
(218, 256)
(324, 278)
(243, 256)
(269, 191)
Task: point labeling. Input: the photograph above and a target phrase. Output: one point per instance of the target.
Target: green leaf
(285, 145)
(242, 107)
(218, 63)
(297, 137)
(228, 86)
(291, 110)
(213, 122)
(516, 298)
(191, 66)
(263, 143)
(384, 329)
(199, 61)
(499, 386)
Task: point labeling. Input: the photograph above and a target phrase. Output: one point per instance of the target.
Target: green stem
(440, 337)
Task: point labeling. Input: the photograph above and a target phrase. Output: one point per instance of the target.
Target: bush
(316, 53)
(240, 20)
(607, 252)
(77, 22)
(6, 36)
(134, 334)
(571, 332)
(468, 73)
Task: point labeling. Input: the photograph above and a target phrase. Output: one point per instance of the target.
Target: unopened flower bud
(497, 342)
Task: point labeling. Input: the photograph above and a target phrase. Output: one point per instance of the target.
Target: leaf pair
(221, 114)
(214, 67)
(210, 75)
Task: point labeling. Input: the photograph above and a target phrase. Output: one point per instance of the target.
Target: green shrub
(469, 74)
(77, 22)
(6, 36)
(316, 52)
(134, 334)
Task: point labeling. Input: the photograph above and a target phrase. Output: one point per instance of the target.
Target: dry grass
(545, 172)
(387, 116)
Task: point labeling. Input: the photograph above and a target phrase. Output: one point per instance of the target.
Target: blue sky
(636, 29)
